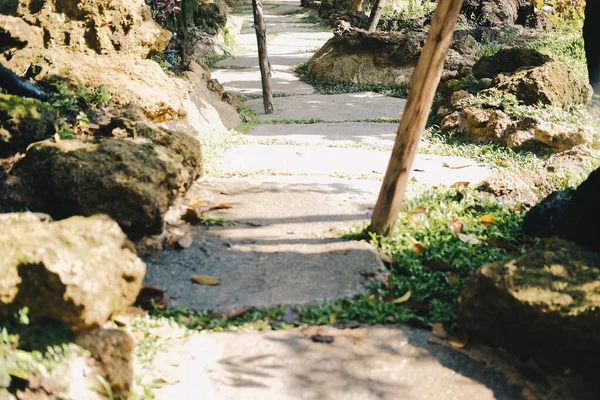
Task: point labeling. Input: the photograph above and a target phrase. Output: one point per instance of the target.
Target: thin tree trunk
(425, 81)
(263, 59)
(357, 5)
(376, 12)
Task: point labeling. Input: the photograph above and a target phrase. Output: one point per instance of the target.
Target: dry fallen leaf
(322, 339)
(458, 165)
(192, 216)
(500, 244)
(236, 312)
(402, 299)
(437, 265)
(438, 330)
(459, 340)
(456, 226)
(222, 206)
(458, 185)
(332, 318)
(451, 278)
(488, 219)
(419, 210)
(419, 249)
(468, 239)
(205, 280)
(198, 203)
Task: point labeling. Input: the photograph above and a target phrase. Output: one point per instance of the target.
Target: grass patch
(328, 86)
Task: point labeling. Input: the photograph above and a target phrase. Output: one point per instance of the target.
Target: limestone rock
(113, 349)
(507, 61)
(548, 298)
(521, 134)
(387, 58)
(499, 12)
(133, 181)
(77, 271)
(24, 121)
(484, 124)
(553, 83)
(522, 187)
(560, 137)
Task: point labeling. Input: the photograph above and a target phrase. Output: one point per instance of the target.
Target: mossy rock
(507, 61)
(78, 271)
(553, 83)
(543, 305)
(133, 181)
(24, 121)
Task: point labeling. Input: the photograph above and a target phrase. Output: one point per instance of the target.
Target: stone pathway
(312, 169)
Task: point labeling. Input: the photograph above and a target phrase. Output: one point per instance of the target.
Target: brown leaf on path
(197, 203)
(222, 206)
(458, 185)
(150, 297)
(459, 340)
(455, 226)
(402, 299)
(419, 249)
(458, 165)
(205, 280)
(192, 216)
(500, 244)
(419, 210)
(437, 264)
(322, 339)
(438, 330)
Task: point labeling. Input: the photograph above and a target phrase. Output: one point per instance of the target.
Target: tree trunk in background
(425, 82)
(357, 5)
(591, 36)
(263, 59)
(376, 12)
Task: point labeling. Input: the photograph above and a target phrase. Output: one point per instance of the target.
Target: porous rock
(77, 271)
(547, 298)
(133, 181)
(507, 61)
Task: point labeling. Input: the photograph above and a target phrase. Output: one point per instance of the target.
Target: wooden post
(376, 12)
(263, 60)
(425, 81)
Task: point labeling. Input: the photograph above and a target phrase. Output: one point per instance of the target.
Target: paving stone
(249, 81)
(279, 62)
(332, 108)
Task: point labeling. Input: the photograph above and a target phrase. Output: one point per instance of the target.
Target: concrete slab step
(283, 248)
(249, 81)
(332, 108)
(345, 162)
(374, 363)
(279, 62)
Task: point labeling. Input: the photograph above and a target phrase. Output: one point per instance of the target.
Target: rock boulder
(77, 271)
(507, 61)
(546, 299)
(133, 181)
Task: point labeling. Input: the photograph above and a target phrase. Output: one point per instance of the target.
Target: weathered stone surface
(388, 58)
(573, 214)
(560, 137)
(113, 349)
(521, 134)
(486, 125)
(77, 271)
(24, 121)
(133, 181)
(548, 298)
(507, 61)
(522, 187)
(500, 12)
(553, 83)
